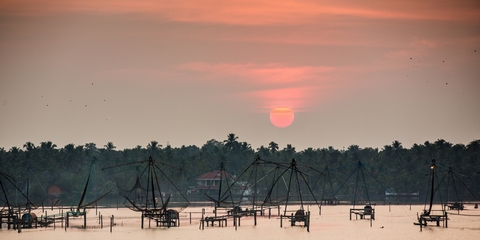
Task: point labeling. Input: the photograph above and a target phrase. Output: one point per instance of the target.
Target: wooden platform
(456, 206)
(210, 221)
(299, 217)
(363, 213)
(169, 218)
(436, 218)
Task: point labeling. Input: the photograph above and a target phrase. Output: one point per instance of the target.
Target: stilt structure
(430, 215)
(86, 201)
(368, 210)
(148, 195)
(15, 213)
(294, 183)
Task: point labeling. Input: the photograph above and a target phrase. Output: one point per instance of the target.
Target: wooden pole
(446, 220)
(308, 221)
(66, 221)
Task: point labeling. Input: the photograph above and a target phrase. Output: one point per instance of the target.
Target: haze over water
(391, 222)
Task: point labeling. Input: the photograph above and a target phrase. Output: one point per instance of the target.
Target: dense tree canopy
(394, 167)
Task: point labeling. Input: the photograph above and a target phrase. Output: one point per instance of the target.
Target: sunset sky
(184, 72)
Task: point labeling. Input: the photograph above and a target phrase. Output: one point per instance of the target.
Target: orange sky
(184, 72)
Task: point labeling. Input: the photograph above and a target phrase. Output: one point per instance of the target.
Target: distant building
(210, 183)
(54, 191)
(401, 197)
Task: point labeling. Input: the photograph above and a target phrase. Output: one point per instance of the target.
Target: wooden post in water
(446, 220)
(235, 221)
(255, 218)
(308, 221)
(66, 222)
(84, 218)
(111, 223)
(142, 221)
(269, 212)
(190, 217)
(101, 221)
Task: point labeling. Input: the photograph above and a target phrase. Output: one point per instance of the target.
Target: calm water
(394, 222)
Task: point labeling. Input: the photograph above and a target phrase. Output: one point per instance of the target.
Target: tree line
(394, 167)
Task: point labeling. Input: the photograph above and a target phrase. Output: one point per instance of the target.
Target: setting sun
(281, 117)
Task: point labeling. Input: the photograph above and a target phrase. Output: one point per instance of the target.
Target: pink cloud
(250, 12)
(273, 85)
(297, 98)
(260, 74)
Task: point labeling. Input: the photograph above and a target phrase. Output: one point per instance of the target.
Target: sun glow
(282, 117)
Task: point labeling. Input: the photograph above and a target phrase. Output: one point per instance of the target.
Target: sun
(281, 117)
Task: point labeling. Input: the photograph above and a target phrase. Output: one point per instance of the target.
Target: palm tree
(29, 146)
(263, 151)
(397, 145)
(289, 151)
(231, 142)
(30, 149)
(109, 146)
(47, 150)
(153, 147)
(91, 149)
(273, 147)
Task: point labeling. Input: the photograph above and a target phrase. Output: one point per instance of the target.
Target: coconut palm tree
(273, 147)
(231, 143)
